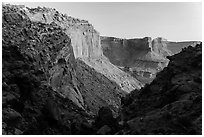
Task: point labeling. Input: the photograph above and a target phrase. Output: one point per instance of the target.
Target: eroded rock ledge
(42, 92)
(142, 58)
(86, 44)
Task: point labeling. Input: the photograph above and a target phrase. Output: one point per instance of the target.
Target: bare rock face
(159, 46)
(142, 58)
(85, 41)
(39, 84)
(51, 49)
(46, 82)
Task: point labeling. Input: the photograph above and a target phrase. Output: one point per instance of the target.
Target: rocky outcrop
(105, 122)
(86, 44)
(40, 93)
(45, 89)
(85, 39)
(159, 46)
(48, 88)
(47, 46)
(142, 58)
(172, 103)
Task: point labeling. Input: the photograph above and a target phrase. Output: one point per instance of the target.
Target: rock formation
(43, 83)
(47, 46)
(159, 46)
(142, 58)
(85, 39)
(172, 103)
(86, 44)
(39, 85)
(55, 79)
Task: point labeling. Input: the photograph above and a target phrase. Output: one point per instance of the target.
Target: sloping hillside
(172, 103)
(39, 88)
(97, 90)
(45, 89)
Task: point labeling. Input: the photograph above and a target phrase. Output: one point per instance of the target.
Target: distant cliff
(140, 57)
(159, 46)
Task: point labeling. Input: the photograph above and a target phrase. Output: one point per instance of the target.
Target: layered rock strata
(43, 83)
(86, 44)
(142, 58)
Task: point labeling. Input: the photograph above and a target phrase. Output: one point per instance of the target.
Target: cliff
(45, 89)
(39, 85)
(85, 39)
(142, 58)
(159, 46)
(86, 44)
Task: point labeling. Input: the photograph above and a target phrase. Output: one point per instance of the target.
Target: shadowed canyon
(60, 76)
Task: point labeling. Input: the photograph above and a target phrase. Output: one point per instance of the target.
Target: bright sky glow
(175, 21)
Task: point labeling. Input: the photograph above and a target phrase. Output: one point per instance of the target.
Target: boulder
(11, 116)
(105, 130)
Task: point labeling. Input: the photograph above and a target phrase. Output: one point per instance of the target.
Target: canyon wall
(45, 82)
(39, 84)
(85, 41)
(61, 52)
(140, 57)
(159, 46)
(47, 47)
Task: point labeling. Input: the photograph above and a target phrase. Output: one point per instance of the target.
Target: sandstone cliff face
(39, 57)
(85, 41)
(39, 85)
(140, 57)
(51, 50)
(159, 46)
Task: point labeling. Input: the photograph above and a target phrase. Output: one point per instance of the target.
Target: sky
(175, 21)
